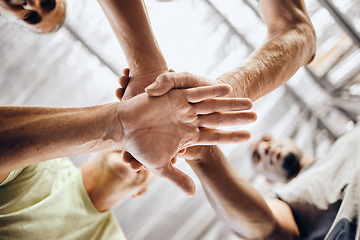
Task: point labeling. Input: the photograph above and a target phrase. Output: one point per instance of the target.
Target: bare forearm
(32, 134)
(290, 44)
(131, 25)
(242, 208)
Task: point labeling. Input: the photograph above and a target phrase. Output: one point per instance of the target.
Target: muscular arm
(131, 25)
(237, 203)
(290, 44)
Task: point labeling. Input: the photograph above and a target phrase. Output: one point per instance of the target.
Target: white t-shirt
(48, 201)
(325, 198)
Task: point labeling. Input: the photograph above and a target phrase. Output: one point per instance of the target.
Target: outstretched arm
(32, 134)
(236, 202)
(290, 44)
(152, 129)
(131, 25)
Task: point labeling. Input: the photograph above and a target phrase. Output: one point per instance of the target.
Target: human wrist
(113, 137)
(148, 63)
(148, 67)
(206, 155)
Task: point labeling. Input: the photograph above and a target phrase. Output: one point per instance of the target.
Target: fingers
(119, 93)
(126, 72)
(167, 81)
(179, 178)
(221, 105)
(194, 95)
(226, 119)
(124, 81)
(215, 136)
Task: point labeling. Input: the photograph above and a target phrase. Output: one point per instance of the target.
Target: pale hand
(164, 83)
(140, 79)
(156, 128)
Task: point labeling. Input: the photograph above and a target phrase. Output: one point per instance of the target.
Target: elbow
(298, 36)
(308, 40)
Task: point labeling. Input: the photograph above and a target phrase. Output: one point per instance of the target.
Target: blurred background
(79, 66)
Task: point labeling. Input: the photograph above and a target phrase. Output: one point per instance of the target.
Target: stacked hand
(140, 80)
(157, 128)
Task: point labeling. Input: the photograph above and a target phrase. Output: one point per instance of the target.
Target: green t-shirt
(48, 201)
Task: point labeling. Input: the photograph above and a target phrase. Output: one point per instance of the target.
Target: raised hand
(156, 128)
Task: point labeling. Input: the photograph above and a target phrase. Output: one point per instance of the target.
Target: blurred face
(40, 16)
(278, 159)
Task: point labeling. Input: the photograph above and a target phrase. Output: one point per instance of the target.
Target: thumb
(179, 178)
(161, 86)
(167, 81)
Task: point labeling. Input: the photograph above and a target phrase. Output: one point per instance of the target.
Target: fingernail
(152, 86)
